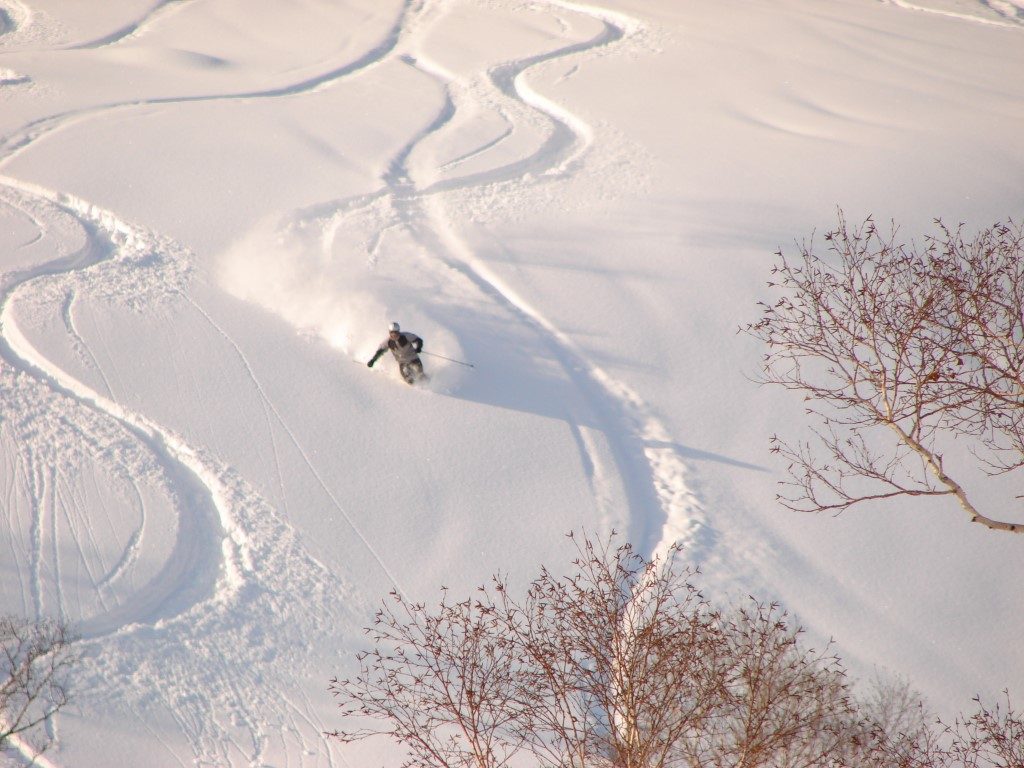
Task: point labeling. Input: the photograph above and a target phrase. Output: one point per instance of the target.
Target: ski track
(83, 350)
(134, 29)
(192, 605)
(1011, 13)
(225, 529)
(13, 143)
(79, 405)
(654, 476)
(483, 148)
(270, 410)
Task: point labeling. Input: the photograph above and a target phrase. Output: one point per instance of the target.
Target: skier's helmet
(393, 328)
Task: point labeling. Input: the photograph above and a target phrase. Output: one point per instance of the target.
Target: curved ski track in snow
(15, 142)
(654, 476)
(133, 29)
(234, 564)
(197, 527)
(635, 437)
(1012, 12)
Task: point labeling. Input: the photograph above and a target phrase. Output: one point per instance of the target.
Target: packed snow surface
(211, 209)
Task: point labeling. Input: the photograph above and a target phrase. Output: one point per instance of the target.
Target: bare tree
(992, 737)
(445, 683)
(626, 656)
(622, 663)
(36, 657)
(788, 705)
(923, 345)
(896, 730)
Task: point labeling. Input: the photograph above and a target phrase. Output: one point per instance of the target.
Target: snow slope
(210, 209)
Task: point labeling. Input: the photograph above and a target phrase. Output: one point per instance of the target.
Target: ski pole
(450, 360)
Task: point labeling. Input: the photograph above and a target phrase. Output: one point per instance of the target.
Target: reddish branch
(924, 345)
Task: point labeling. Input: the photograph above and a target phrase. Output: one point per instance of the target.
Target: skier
(405, 347)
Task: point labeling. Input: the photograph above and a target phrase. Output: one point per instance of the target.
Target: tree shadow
(697, 454)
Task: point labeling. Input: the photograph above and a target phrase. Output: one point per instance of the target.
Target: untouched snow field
(210, 210)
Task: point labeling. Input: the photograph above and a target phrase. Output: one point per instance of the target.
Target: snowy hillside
(211, 209)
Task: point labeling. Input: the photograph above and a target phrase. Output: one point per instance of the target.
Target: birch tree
(901, 352)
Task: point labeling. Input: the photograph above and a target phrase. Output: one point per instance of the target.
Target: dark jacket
(405, 347)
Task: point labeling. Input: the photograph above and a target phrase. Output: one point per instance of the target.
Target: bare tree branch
(445, 683)
(35, 658)
(991, 737)
(923, 345)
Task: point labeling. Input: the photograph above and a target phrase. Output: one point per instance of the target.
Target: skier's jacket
(406, 347)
